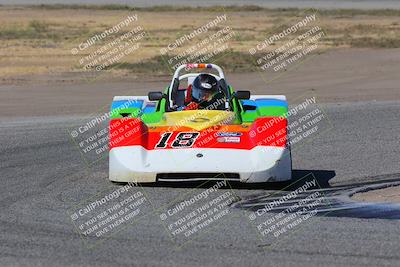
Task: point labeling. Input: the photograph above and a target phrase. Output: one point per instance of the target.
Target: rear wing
(123, 106)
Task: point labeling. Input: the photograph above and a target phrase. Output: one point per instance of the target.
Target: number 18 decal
(182, 140)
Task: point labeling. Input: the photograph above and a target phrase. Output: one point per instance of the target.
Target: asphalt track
(43, 176)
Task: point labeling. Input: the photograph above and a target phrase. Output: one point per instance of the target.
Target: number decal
(164, 140)
(185, 139)
(182, 140)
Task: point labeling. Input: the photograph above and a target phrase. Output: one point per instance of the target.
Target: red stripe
(269, 131)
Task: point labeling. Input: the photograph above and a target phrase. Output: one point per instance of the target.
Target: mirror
(242, 95)
(249, 107)
(155, 96)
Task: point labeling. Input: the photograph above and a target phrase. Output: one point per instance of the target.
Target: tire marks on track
(337, 202)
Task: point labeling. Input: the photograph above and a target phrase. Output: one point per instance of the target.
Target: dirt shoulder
(390, 194)
(346, 75)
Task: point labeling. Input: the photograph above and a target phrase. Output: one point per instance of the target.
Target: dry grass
(39, 39)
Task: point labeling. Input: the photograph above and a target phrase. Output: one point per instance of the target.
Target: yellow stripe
(197, 119)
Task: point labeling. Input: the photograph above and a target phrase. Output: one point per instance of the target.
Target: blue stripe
(127, 104)
(271, 102)
(264, 103)
(150, 108)
(248, 102)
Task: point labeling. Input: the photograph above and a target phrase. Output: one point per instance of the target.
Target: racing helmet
(204, 88)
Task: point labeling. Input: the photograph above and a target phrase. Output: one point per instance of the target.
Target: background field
(38, 39)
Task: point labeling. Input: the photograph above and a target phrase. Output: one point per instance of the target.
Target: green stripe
(272, 111)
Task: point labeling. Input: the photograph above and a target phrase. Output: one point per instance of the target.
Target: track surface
(43, 175)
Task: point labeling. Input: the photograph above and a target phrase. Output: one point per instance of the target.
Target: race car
(199, 128)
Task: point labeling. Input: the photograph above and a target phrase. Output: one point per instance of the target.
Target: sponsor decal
(228, 134)
(229, 139)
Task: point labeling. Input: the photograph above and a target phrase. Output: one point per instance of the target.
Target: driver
(202, 93)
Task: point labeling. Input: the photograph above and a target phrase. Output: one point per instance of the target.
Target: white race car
(199, 128)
